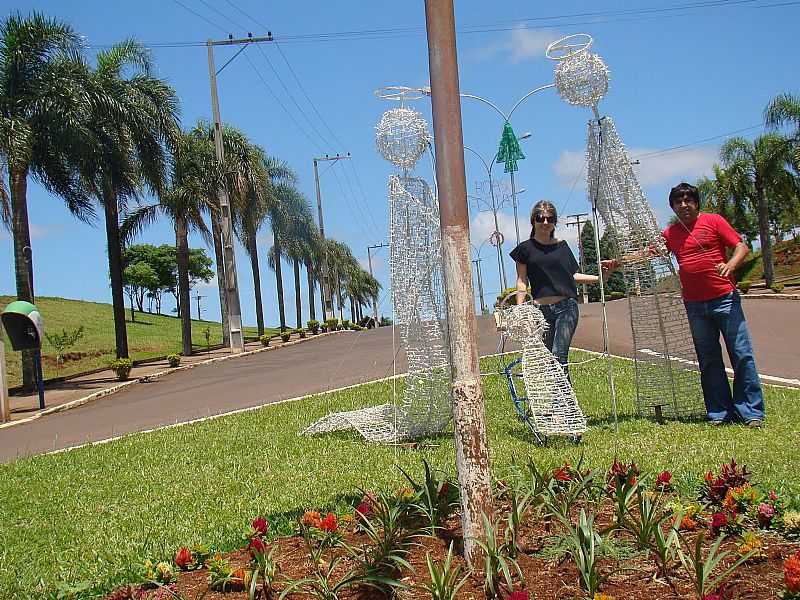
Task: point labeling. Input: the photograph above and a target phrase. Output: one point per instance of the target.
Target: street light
(477, 261)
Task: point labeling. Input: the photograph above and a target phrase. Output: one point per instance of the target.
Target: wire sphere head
(402, 136)
(582, 79)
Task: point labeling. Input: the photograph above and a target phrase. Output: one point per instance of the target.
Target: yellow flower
(791, 521)
(404, 494)
(751, 543)
(599, 596)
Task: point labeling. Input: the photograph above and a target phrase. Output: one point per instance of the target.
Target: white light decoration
(402, 137)
(667, 382)
(551, 400)
(415, 248)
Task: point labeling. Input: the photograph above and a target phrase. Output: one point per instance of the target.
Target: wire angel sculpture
(417, 293)
(667, 379)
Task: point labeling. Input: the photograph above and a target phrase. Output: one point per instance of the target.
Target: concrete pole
(577, 223)
(229, 256)
(374, 302)
(514, 204)
(472, 452)
(477, 262)
(327, 300)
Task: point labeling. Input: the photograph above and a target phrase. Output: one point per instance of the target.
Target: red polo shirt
(699, 248)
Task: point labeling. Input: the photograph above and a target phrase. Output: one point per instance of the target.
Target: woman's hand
(608, 267)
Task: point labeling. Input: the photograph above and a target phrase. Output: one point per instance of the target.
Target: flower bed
(566, 533)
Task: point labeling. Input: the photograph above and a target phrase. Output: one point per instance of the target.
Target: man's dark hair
(684, 190)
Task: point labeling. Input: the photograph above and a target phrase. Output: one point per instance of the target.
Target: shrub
(174, 360)
(744, 285)
(313, 326)
(508, 295)
(301, 332)
(63, 341)
(616, 295)
(264, 339)
(385, 322)
(122, 367)
(285, 335)
(776, 287)
(331, 324)
(346, 324)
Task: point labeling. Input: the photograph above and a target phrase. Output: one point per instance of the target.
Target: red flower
(329, 523)
(709, 477)
(562, 474)
(791, 573)
(519, 595)
(256, 547)
(664, 480)
(721, 593)
(718, 521)
(260, 526)
(773, 496)
(311, 518)
(183, 558)
(363, 511)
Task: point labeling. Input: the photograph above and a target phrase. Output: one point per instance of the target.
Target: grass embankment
(149, 336)
(95, 513)
(786, 259)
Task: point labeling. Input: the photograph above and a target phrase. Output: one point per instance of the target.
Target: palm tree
(758, 167)
(726, 195)
(341, 264)
(42, 131)
(311, 258)
(300, 234)
(184, 203)
(130, 149)
(785, 110)
(251, 212)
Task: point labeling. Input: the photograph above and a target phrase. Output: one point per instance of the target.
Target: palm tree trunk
(352, 310)
(220, 264)
(23, 259)
(763, 234)
(253, 247)
(115, 270)
(321, 300)
(279, 286)
(182, 255)
(311, 310)
(298, 307)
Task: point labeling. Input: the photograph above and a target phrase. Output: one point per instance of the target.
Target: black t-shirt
(550, 268)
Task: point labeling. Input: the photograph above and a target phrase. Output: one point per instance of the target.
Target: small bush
(744, 285)
(616, 295)
(776, 287)
(285, 335)
(174, 360)
(264, 339)
(385, 322)
(346, 324)
(332, 324)
(122, 367)
(301, 332)
(313, 326)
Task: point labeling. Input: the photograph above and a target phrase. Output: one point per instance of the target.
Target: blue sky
(679, 77)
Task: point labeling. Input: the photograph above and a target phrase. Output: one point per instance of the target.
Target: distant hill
(786, 257)
(149, 336)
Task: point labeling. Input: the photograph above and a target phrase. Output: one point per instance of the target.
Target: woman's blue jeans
(707, 320)
(562, 320)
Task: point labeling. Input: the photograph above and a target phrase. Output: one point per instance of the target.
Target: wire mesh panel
(667, 379)
(551, 399)
(415, 250)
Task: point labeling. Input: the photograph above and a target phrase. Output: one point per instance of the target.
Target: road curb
(153, 377)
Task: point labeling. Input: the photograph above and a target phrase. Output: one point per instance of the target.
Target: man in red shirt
(713, 305)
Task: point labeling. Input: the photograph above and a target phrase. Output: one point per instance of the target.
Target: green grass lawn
(149, 336)
(95, 513)
(786, 258)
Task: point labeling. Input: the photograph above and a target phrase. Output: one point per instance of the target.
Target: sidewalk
(85, 388)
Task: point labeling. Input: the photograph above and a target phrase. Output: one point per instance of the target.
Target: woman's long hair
(540, 207)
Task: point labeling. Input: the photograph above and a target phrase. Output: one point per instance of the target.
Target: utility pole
(199, 314)
(229, 256)
(327, 292)
(469, 418)
(579, 218)
(477, 263)
(369, 260)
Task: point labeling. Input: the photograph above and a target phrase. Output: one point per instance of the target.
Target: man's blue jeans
(562, 319)
(707, 319)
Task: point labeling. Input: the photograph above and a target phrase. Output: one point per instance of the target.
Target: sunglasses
(544, 219)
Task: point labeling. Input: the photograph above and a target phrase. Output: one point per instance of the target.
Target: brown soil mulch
(546, 576)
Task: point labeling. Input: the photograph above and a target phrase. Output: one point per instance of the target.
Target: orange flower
(791, 573)
(312, 518)
(329, 523)
(730, 502)
(183, 558)
(688, 524)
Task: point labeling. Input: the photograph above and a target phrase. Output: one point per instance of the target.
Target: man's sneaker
(755, 423)
(717, 423)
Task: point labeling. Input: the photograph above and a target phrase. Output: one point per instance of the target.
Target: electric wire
(223, 15)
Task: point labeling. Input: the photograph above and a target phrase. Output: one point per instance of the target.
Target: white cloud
(670, 168)
(265, 239)
(482, 226)
(209, 285)
(520, 44)
(377, 264)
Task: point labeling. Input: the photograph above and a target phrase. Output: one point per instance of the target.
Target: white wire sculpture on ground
(417, 292)
(666, 385)
(552, 403)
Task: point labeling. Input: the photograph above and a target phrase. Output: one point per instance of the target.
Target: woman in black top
(550, 267)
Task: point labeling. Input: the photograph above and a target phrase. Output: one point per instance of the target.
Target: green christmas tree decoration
(509, 152)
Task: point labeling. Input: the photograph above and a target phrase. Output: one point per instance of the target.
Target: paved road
(327, 363)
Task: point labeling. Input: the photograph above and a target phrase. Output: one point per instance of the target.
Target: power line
(360, 222)
(698, 142)
(197, 14)
(223, 15)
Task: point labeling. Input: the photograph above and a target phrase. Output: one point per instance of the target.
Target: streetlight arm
(528, 95)
(485, 166)
(485, 101)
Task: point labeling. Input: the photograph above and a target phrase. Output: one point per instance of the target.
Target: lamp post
(477, 263)
(369, 261)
